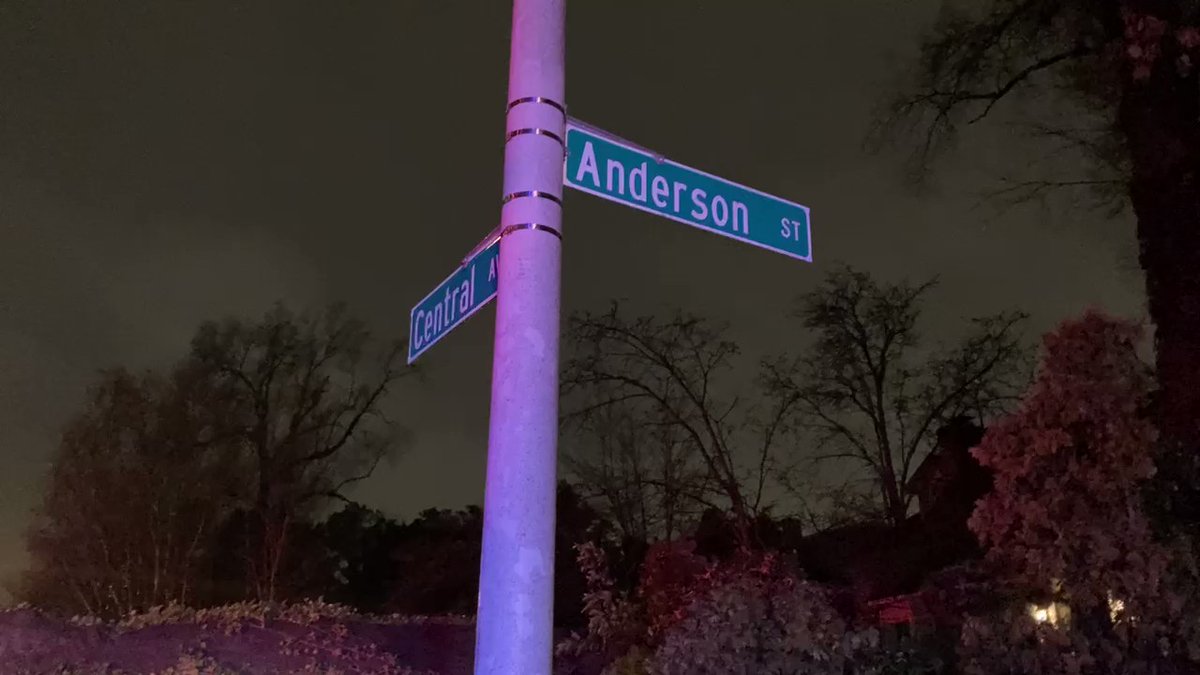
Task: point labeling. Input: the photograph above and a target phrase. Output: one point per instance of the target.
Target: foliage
(632, 662)
(873, 394)
(615, 622)
(354, 564)
(1065, 521)
(307, 637)
(1080, 439)
(575, 523)
(958, 591)
(436, 561)
(229, 616)
(750, 613)
(757, 617)
(673, 575)
(432, 563)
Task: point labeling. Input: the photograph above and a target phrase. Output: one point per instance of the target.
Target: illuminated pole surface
(515, 619)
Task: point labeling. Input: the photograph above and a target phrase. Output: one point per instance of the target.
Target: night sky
(165, 163)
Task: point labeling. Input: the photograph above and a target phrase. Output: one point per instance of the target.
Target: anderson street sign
(614, 169)
(470, 287)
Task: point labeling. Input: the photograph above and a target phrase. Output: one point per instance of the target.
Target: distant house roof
(878, 561)
(954, 442)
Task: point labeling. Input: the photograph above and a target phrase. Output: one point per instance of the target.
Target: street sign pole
(514, 622)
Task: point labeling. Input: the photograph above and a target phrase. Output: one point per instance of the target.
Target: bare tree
(640, 473)
(269, 420)
(972, 61)
(309, 419)
(670, 368)
(822, 496)
(137, 490)
(871, 395)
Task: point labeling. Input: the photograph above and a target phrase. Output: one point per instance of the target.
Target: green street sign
(607, 167)
(454, 300)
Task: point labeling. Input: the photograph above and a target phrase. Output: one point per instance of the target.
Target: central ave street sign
(470, 287)
(617, 170)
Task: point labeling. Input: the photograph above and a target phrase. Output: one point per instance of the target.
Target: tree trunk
(1160, 119)
(742, 527)
(260, 561)
(896, 509)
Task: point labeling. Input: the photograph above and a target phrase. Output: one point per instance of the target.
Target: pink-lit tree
(1065, 527)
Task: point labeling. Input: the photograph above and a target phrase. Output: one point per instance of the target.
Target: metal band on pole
(530, 226)
(537, 99)
(531, 193)
(533, 130)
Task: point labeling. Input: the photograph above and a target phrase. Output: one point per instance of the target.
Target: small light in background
(1053, 613)
(1116, 607)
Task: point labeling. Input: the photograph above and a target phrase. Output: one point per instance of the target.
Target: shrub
(673, 576)
(750, 614)
(757, 617)
(1065, 521)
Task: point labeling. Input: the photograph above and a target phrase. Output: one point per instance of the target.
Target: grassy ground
(237, 639)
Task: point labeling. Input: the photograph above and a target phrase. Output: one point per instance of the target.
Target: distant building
(949, 481)
(881, 568)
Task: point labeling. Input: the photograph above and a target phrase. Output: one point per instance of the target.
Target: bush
(750, 614)
(673, 576)
(614, 622)
(757, 616)
(755, 625)
(1065, 521)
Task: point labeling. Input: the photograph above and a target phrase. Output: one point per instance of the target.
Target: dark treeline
(223, 478)
(966, 502)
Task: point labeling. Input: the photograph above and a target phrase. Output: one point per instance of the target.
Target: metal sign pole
(514, 623)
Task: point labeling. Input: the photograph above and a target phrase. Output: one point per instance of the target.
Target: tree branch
(1025, 73)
